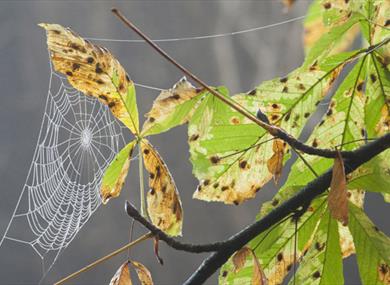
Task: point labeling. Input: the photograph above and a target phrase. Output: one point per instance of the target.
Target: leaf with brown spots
(275, 163)
(94, 71)
(229, 152)
(337, 197)
(116, 173)
(164, 205)
(122, 276)
(172, 108)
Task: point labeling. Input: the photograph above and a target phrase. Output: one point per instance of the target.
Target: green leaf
(275, 248)
(116, 173)
(323, 262)
(172, 108)
(372, 248)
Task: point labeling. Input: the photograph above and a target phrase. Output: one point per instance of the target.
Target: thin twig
(104, 258)
(273, 130)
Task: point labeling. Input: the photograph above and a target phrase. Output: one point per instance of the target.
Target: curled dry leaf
(338, 196)
(156, 250)
(116, 173)
(164, 205)
(275, 163)
(240, 257)
(171, 108)
(143, 273)
(288, 4)
(239, 260)
(122, 276)
(258, 277)
(94, 71)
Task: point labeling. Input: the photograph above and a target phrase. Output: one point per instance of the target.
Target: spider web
(78, 139)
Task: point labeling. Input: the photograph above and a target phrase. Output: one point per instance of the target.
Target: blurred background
(240, 62)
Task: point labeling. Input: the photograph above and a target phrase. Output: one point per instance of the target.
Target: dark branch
(195, 248)
(303, 197)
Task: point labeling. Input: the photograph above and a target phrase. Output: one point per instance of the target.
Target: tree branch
(303, 197)
(194, 248)
(224, 249)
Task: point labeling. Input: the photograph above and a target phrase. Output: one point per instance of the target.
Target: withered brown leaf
(239, 258)
(338, 198)
(143, 273)
(275, 163)
(122, 275)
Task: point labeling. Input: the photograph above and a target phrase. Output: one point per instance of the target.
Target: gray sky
(240, 62)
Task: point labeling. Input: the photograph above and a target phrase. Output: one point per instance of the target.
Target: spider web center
(86, 138)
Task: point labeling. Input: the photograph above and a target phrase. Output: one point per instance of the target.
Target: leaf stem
(104, 258)
(141, 182)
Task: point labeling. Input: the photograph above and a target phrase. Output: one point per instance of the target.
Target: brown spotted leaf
(275, 163)
(171, 108)
(229, 153)
(116, 173)
(94, 71)
(164, 205)
(337, 198)
(143, 273)
(122, 276)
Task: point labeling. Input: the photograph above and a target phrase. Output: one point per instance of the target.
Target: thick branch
(302, 198)
(195, 248)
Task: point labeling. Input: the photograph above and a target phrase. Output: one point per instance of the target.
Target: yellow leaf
(143, 273)
(122, 276)
(275, 163)
(239, 258)
(164, 205)
(94, 71)
(337, 198)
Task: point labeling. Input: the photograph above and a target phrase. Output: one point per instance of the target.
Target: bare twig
(273, 130)
(104, 258)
